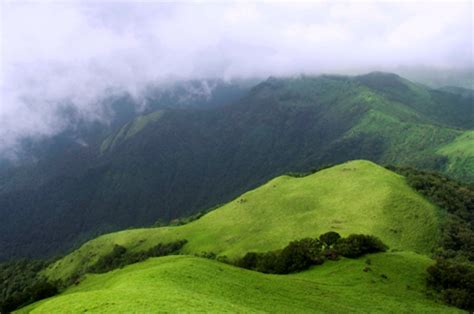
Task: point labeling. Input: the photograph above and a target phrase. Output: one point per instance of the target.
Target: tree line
(453, 273)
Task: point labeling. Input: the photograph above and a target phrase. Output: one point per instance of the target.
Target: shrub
(296, 256)
(270, 263)
(329, 238)
(356, 245)
(208, 255)
(249, 261)
(455, 281)
(109, 261)
(119, 257)
(459, 297)
(300, 255)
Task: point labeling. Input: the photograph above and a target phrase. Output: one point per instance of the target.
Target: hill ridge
(288, 208)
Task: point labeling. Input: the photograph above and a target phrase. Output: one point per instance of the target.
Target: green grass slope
(460, 155)
(190, 284)
(407, 142)
(129, 130)
(354, 197)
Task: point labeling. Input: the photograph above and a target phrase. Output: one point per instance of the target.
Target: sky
(54, 53)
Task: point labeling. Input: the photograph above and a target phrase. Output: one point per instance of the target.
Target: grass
(354, 197)
(191, 284)
(404, 141)
(460, 155)
(129, 130)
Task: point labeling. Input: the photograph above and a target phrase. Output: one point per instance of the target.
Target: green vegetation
(288, 208)
(176, 162)
(129, 130)
(453, 273)
(278, 212)
(21, 284)
(119, 257)
(460, 154)
(172, 163)
(457, 240)
(396, 283)
(299, 255)
(455, 281)
(356, 245)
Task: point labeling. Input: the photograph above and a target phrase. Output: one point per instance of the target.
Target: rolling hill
(191, 284)
(175, 162)
(354, 197)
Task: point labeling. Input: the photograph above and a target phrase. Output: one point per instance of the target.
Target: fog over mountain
(59, 54)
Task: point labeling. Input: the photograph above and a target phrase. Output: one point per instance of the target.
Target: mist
(57, 54)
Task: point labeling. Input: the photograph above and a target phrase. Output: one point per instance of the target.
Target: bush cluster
(120, 257)
(455, 281)
(301, 254)
(357, 245)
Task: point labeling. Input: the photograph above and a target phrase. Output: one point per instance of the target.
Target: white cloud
(56, 51)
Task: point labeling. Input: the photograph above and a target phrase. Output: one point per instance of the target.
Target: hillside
(190, 284)
(175, 162)
(460, 154)
(354, 197)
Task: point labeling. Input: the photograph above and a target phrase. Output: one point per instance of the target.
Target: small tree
(249, 261)
(356, 245)
(300, 255)
(329, 238)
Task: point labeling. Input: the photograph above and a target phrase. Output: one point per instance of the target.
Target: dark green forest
(21, 284)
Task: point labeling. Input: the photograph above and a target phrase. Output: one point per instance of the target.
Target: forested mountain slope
(175, 162)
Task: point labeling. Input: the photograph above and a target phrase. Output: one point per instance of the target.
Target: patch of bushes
(357, 245)
(120, 257)
(301, 254)
(329, 238)
(455, 281)
(21, 284)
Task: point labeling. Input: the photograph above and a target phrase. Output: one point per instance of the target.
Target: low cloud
(59, 53)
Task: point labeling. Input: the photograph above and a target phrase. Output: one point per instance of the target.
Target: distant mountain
(176, 161)
(439, 77)
(121, 107)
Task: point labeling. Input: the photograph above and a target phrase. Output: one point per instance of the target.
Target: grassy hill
(175, 162)
(191, 284)
(354, 197)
